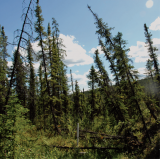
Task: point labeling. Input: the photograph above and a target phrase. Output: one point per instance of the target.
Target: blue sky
(77, 29)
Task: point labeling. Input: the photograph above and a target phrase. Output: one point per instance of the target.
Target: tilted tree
(129, 78)
(106, 89)
(153, 57)
(152, 51)
(109, 47)
(150, 89)
(21, 39)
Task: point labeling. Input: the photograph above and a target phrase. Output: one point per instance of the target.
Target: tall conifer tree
(39, 29)
(3, 69)
(104, 32)
(92, 84)
(77, 101)
(153, 57)
(32, 96)
(152, 51)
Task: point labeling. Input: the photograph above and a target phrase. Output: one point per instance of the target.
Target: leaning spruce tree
(109, 95)
(108, 48)
(152, 53)
(153, 58)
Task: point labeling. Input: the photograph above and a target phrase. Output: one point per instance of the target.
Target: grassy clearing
(35, 145)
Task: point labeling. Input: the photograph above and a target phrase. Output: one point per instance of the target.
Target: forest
(39, 117)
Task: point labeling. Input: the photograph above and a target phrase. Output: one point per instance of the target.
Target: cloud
(77, 71)
(36, 66)
(149, 3)
(155, 25)
(142, 72)
(82, 80)
(94, 49)
(21, 50)
(10, 63)
(140, 52)
(76, 55)
(35, 47)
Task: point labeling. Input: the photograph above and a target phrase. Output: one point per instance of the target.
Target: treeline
(43, 99)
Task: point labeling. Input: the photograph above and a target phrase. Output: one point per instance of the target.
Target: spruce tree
(72, 83)
(13, 125)
(3, 69)
(77, 102)
(39, 29)
(20, 79)
(59, 72)
(41, 34)
(130, 81)
(32, 96)
(21, 38)
(103, 79)
(153, 58)
(104, 32)
(151, 87)
(152, 51)
(110, 96)
(92, 84)
(65, 89)
(41, 106)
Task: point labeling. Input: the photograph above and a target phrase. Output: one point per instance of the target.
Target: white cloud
(36, 66)
(140, 52)
(76, 55)
(35, 47)
(155, 25)
(82, 80)
(141, 70)
(10, 63)
(21, 50)
(77, 71)
(149, 3)
(94, 49)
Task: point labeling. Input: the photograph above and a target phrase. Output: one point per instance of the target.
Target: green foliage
(32, 97)
(12, 124)
(3, 68)
(152, 53)
(124, 116)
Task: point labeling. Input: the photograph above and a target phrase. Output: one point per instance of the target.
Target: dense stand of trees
(127, 108)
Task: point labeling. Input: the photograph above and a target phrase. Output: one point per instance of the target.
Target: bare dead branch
(66, 147)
